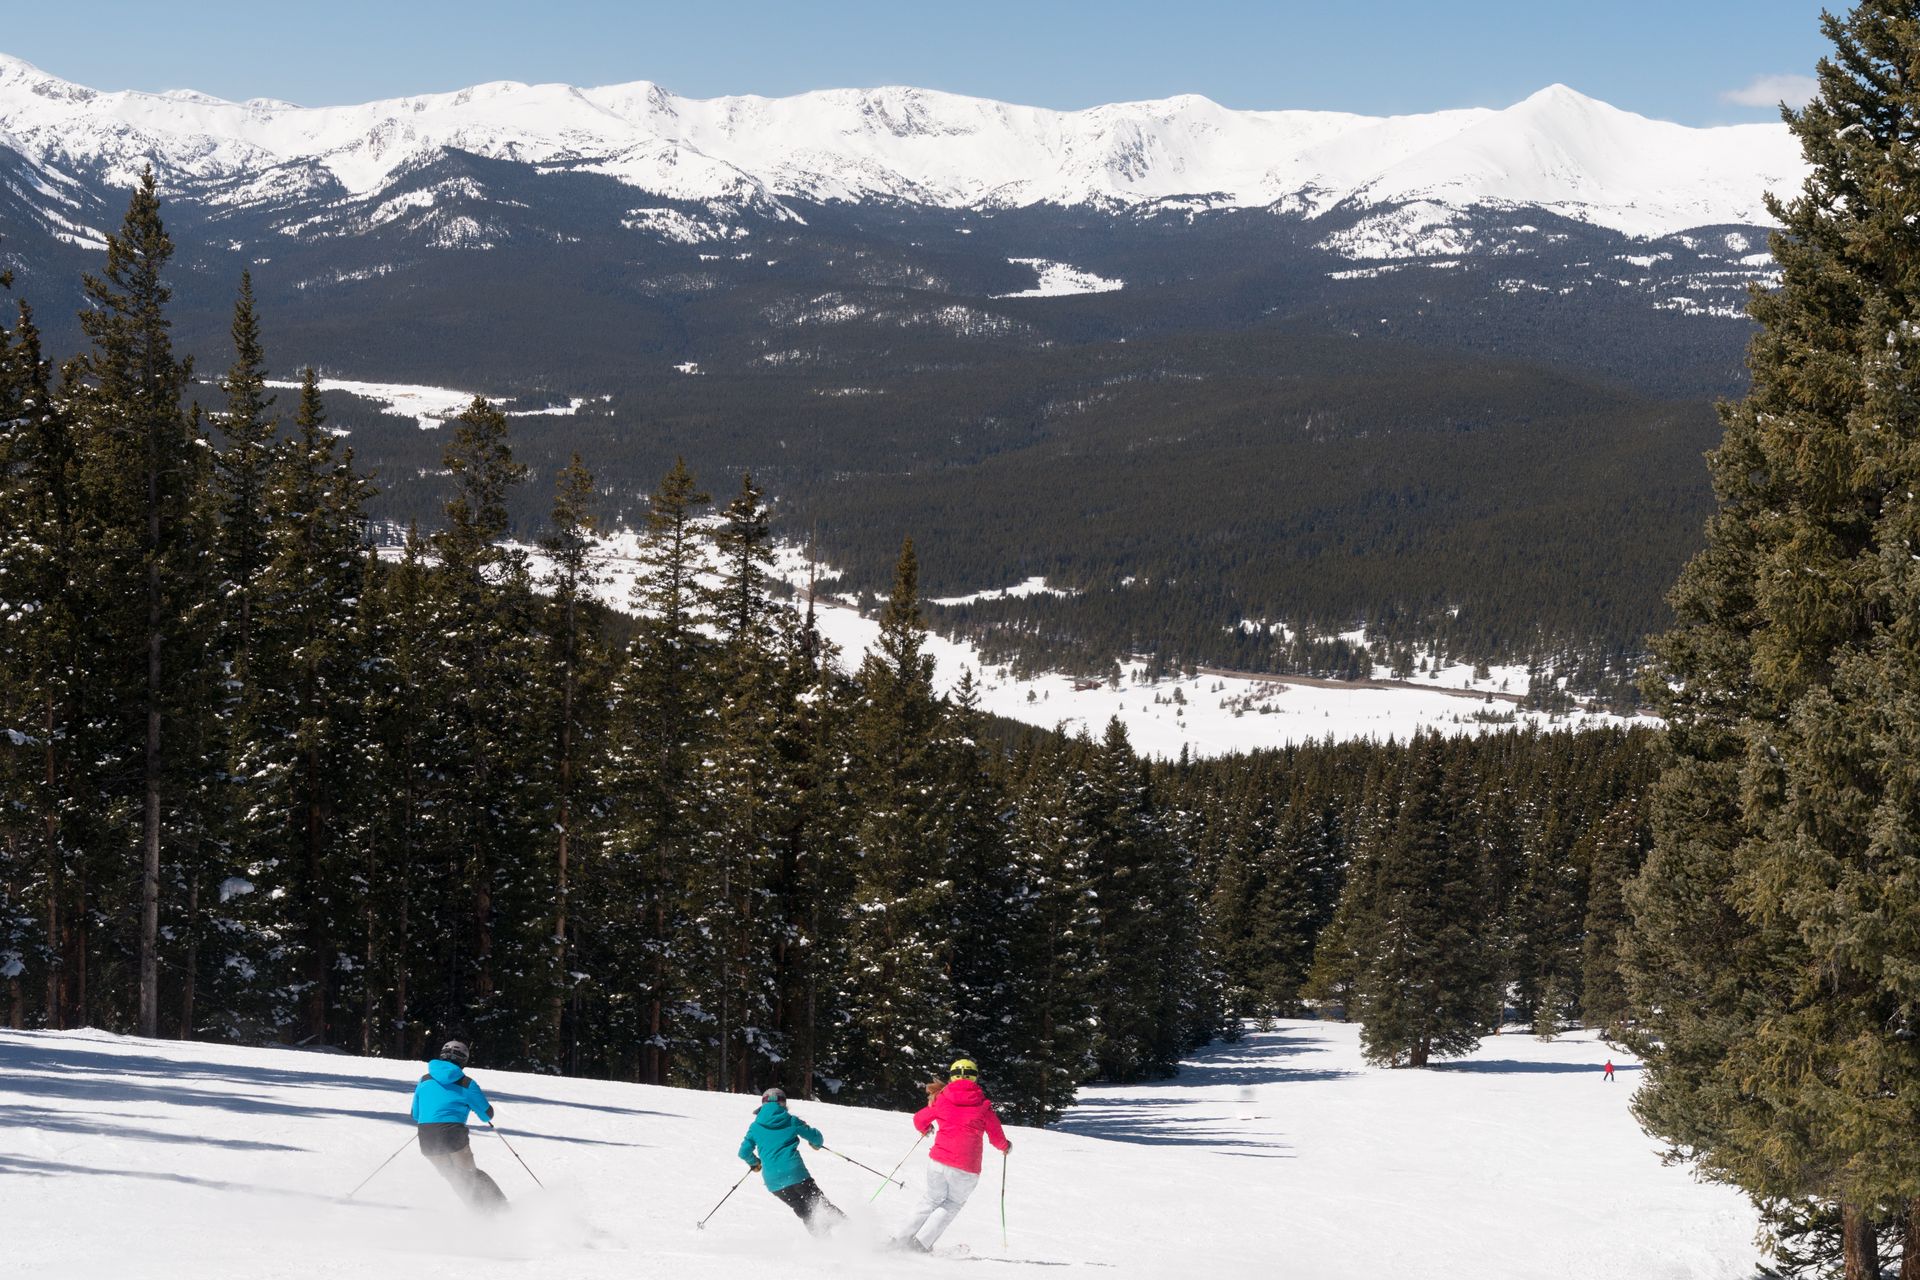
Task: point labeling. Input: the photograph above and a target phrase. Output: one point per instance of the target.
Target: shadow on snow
(39, 1071)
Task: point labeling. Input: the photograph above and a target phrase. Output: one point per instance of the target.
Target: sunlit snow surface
(1211, 714)
(1058, 280)
(430, 407)
(1556, 149)
(1280, 1156)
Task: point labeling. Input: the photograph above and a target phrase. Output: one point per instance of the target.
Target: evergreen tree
(574, 664)
(897, 999)
(1036, 1024)
(662, 717)
(1423, 976)
(300, 720)
(248, 426)
(1774, 960)
(483, 595)
(138, 479)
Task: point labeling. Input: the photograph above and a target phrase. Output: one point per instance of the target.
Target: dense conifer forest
(263, 783)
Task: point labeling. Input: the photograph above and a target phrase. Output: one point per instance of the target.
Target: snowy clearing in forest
(1035, 586)
(1208, 714)
(430, 407)
(1058, 280)
(1213, 714)
(1280, 1155)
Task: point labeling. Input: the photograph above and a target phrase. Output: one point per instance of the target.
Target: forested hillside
(263, 783)
(1494, 448)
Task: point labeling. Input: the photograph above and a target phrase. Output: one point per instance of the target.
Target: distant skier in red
(1608, 1070)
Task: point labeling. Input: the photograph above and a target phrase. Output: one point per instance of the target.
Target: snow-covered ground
(1211, 714)
(1282, 1155)
(1036, 586)
(431, 407)
(1058, 280)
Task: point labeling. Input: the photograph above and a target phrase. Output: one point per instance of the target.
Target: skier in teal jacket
(772, 1146)
(441, 1103)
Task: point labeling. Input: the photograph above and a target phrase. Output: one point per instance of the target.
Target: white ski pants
(947, 1189)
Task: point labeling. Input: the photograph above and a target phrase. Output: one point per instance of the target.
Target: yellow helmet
(965, 1069)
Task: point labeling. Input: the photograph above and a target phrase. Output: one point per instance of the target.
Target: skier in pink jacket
(963, 1115)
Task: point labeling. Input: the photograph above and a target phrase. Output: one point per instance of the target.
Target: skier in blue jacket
(441, 1102)
(772, 1146)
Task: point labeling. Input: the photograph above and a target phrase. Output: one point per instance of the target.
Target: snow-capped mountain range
(1557, 150)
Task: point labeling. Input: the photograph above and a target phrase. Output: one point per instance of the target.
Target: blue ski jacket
(445, 1095)
(776, 1134)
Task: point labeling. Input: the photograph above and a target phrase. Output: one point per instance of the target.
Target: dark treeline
(263, 783)
(1430, 890)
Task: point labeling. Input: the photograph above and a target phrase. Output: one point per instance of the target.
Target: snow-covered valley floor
(1281, 1155)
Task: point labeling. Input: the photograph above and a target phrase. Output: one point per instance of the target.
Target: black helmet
(775, 1095)
(454, 1051)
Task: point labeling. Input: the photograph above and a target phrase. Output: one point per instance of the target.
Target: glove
(814, 1145)
(755, 1167)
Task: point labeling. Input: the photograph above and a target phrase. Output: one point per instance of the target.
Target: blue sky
(1696, 61)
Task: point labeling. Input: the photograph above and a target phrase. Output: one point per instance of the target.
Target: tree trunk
(150, 871)
(55, 864)
(318, 944)
(83, 950)
(150, 863)
(193, 957)
(1910, 1243)
(556, 1012)
(1859, 1245)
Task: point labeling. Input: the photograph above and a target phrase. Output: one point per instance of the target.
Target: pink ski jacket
(964, 1114)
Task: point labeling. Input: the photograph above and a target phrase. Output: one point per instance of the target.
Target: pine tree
(138, 480)
(662, 716)
(300, 712)
(484, 599)
(745, 791)
(574, 664)
(248, 427)
(1774, 956)
(1035, 1026)
(42, 676)
(897, 1000)
(1423, 978)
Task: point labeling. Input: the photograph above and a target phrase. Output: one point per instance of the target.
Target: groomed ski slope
(1282, 1155)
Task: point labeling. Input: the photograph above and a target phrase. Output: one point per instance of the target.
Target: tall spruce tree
(1423, 979)
(574, 667)
(662, 716)
(1776, 966)
(42, 675)
(301, 711)
(897, 998)
(139, 476)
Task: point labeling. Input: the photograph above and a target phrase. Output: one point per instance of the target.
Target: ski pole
(903, 1159)
(516, 1156)
(1003, 1198)
(702, 1224)
(870, 1169)
(383, 1164)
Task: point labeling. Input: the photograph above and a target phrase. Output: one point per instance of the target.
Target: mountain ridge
(1556, 149)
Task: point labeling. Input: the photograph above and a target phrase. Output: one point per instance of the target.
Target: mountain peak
(1558, 148)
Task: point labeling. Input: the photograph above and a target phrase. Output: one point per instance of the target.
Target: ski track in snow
(1281, 1155)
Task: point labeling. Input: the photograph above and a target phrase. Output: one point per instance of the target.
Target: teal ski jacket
(445, 1095)
(774, 1139)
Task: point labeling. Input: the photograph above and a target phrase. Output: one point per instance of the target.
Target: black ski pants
(446, 1147)
(811, 1204)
